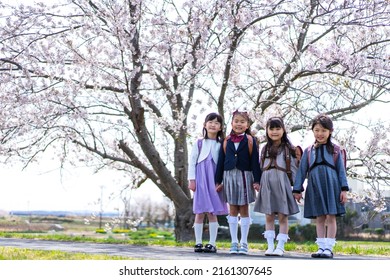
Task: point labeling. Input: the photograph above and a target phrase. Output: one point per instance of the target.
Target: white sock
(321, 242)
(330, 242)
(233, 228)
(282, 239)
(270, 236)
(213, 230)
(245, 224)
(198, 229)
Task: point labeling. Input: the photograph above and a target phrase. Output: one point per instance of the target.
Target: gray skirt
(275, 195)
(238, 187)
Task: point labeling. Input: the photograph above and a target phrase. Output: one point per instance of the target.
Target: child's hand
(192, 185)
(256, 186)
(298, 197)
(219, 187)
(343, 197)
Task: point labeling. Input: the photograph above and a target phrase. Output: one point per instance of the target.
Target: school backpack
(200, 142)
(336, 152)
(287, 157)
(250, 143)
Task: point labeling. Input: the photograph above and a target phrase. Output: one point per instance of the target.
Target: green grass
(8, 253)
(363, 248)
(77, 231)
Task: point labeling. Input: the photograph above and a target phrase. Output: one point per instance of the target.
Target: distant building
(365, 211)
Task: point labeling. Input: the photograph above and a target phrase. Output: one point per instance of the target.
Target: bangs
(213, 116)
(324, 121)
(275, 123)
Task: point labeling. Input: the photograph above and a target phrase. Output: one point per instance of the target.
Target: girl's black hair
(277, 122)
(325, 122)
(245, 116)
(210, 117)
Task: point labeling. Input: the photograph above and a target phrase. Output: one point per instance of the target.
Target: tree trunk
(184, 221)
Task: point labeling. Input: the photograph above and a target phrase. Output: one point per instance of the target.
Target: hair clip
(240, 112)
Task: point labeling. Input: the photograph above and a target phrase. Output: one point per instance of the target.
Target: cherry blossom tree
(120, 84)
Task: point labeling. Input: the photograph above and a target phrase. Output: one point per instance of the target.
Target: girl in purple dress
(201, 173)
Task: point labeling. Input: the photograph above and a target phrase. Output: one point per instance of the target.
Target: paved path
(157, 252)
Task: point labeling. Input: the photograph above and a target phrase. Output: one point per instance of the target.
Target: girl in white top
(201, 172)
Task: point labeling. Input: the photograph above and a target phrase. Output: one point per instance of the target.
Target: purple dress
(206, 198)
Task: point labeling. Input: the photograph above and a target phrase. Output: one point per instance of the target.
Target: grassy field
(77, 230)
(7, 253)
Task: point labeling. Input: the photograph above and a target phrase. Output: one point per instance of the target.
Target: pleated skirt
(275, 195)
(323, 193)
(238, 187)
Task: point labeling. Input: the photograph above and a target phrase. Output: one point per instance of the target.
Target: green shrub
(256, 232)
(119, 230)
(368, 230)
(297, 233)
(379, 231)
(308, 232)
(300, 233)
(293, 232)
(151, 234)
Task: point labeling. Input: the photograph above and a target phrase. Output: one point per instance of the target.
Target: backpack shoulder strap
(308, 154)
(199, 142)
(262, 155)
(344, 155)
(288, 163)
(337, 150)
(250, 143)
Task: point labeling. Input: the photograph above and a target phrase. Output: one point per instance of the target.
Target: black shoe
(210, 249)
(327, 256)
(318, 254)
(198, 248)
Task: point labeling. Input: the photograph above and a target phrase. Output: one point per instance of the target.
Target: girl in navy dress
(238, 174)
(201, 174)
(327, 185)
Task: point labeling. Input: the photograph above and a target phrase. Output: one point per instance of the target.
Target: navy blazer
(239, 159)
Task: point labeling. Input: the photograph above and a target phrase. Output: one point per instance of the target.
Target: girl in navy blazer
(238, 175)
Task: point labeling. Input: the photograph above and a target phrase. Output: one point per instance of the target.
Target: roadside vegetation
(75, 231)
(9, 253)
